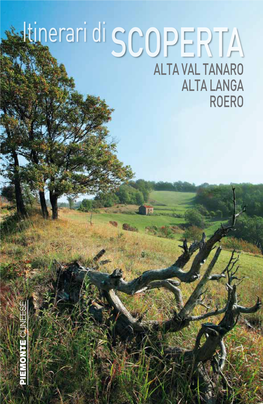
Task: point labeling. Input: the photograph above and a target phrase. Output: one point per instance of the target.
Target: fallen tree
(209, 346)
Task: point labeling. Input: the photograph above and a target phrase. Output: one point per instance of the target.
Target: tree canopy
(60, 134)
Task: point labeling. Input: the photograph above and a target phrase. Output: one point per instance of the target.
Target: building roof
(148, 206)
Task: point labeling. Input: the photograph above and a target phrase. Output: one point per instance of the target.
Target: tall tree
(12, 167)
(62, 135)
(81, 158)
(29, 73)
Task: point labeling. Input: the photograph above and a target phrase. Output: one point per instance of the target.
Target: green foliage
(219, 198)
(12, 225)
(105, 200)
(71, 202)
(125, 194)
(8, 192)
(250, 229)
(179, 186)
(204, 212)
(145, 187)
(61, 134)
(232, 243)
(86, 205)
(193, 233)
(139, 197)
(129, 195)
(163, 231)
(194, 218)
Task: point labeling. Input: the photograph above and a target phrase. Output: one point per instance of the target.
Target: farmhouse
(145, 210)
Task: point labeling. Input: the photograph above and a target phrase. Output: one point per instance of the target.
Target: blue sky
(162, 132)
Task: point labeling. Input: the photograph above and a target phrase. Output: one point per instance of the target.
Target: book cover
(131, 202)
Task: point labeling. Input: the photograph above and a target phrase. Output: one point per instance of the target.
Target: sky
(164, 133)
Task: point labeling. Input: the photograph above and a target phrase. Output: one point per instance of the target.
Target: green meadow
(169, 210)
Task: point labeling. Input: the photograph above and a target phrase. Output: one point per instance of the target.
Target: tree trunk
(43, 204)
(54, 204)
(20, 206)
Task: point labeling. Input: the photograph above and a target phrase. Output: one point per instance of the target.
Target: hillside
(169, 210)
(63, 350)
(180, 200)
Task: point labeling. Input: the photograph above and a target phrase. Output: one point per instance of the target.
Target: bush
(193, 233)
(164, 231)
(127, 227)
(86, 205)
(194, 218)
(239, 244)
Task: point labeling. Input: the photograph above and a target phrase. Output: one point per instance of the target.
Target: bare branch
(192, 301)
(99, 255)
(249, 310)
(106, 282)
(236, 215)
(187, 254)
(115, 302)
(223, 354)
(216, 277)
(231, 263)
(215, 312)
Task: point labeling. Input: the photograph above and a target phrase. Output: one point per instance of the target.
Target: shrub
(86, 205)
(193, 233)
(194, 218)
(127, 227)
(239, 244)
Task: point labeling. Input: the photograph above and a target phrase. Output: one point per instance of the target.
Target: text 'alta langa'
(218, 85)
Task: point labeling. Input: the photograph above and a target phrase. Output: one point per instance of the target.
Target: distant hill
(171, 199)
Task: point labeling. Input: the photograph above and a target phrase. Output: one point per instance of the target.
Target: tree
(29, 74)
(60, 133)
(250, 229)
(86, 205)
(143, 186)
(8, 192)
(194, 218)
(71, 202)
(139, 198)
(9, 151)
(216, 197)
(123, 194)
(81, 159)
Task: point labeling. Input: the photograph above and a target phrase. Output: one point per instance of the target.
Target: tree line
(215, 202)
(133, 193)
(53, 138)
(216, 198)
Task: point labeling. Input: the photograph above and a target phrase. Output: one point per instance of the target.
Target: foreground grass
(71, 360)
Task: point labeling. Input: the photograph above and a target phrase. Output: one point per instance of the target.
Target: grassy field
(169, 210)
(71, 362)
(178, 201)
(134, 220)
